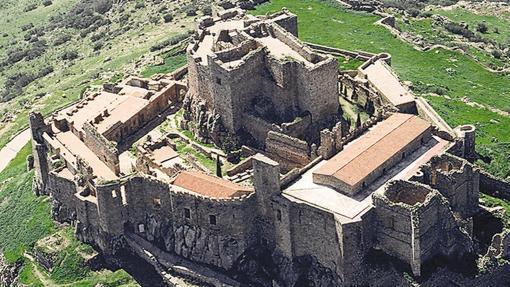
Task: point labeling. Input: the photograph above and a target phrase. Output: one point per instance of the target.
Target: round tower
(467, 133)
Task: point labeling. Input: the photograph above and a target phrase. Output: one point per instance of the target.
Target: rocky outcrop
(195, 244)
(8, 273)
(206, 126)
(261, 266)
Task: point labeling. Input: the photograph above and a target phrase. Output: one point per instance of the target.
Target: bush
(61, 39)
(427, 14)
(69, 55)
(207, 10)
(496, 53)
(45, 71)
(168, 18)
(37, 49)
(102, 6)
(226, 5)
(27, 27)
(482, 28)
(98, 45)
(30, 7)
(190, 10)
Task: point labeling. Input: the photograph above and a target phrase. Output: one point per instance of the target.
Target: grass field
(173, 61)
(457, 74)
(493, 22)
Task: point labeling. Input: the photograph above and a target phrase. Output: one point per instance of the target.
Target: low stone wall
(287, 147)
(346, 53)
(426, 112)
(494, 186)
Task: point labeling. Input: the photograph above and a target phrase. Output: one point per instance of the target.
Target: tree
(218, 166)
(358, 121)
(482, 28)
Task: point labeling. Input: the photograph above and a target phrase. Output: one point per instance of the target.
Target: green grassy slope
(500, 22)
(24, 218)
(325, 23)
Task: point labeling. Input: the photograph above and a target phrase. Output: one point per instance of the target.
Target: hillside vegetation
(52, 51)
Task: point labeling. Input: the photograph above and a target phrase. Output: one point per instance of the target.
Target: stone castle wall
(102, 147)
(455, 179)
(288, 148)
(415, 223)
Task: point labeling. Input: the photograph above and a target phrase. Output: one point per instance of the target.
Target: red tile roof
(210, 186)
(360, 158)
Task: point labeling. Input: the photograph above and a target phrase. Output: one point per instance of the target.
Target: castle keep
(310, 190)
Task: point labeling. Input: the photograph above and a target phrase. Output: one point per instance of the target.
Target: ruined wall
(288, 148)
(258, 128)
(39, 152)
(415, 223)
(456, 179)
(289, 23)
(494, 186)
(102, 147)
(318, 89)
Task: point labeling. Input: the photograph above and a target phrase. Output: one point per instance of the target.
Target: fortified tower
(37, 127)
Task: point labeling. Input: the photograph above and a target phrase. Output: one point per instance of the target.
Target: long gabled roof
(360, 158)
(209, 186)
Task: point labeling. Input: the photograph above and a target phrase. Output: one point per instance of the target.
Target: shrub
(30, 7)
(190, 10)
(482, 28)
(37, 49)
(45, 71)
(97, 37)
(427, 14)
(69, 55)
(207, 10)
(98, 45)
(414, 12)
(27, 27)
(61, 39)
(102, 6)
(168, 18)
(496, 53)
(226, 4)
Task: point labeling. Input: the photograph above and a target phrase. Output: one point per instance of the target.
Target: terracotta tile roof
(207, 185)
(360, 158)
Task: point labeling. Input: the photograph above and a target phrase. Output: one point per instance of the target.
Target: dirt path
(10, 151)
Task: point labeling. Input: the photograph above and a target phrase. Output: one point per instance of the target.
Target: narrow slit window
(212, 219)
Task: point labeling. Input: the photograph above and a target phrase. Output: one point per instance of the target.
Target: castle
(315, 193)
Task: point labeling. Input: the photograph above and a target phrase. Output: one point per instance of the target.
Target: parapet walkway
(167, 264)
